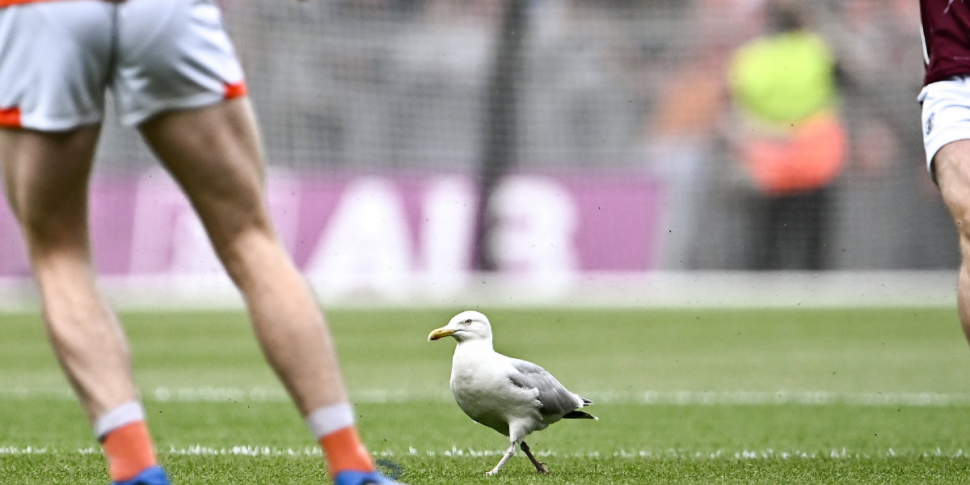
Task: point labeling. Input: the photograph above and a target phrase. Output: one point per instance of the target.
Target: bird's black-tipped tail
(577, 414)
(580, 414)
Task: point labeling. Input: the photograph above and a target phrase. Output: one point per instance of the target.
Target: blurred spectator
(680, 136)
(792, 143)
(442, 68)
(575, 110)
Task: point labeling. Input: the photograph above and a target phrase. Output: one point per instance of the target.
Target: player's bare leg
(46, 179)
(952, 165)
(216, 156)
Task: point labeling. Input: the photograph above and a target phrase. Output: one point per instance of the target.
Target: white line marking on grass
(761, 398)
(29, 450)
(218, 394)
(769, 454)
(194, 450)
(646, 398)
(842, 453)
(252, 451)
(36, 394)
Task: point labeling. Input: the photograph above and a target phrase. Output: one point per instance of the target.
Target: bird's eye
(468, 322)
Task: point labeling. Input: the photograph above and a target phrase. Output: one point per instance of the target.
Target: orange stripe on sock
(345, 452)
(236, 90)
(129, 451)
(10, 117)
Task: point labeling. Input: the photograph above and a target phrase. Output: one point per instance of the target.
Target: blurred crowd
(608, 85)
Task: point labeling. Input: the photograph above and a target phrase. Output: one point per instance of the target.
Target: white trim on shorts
(946, 114)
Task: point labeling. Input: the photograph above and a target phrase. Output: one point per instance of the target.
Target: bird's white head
(468, 325)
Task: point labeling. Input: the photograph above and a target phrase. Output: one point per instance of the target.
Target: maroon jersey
(946, 38)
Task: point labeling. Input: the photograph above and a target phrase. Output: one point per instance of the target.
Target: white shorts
(57, 58)
(946, 114)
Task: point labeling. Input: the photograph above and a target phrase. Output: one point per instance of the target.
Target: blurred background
(607, 137)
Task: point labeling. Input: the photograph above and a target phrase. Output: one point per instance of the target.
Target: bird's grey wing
(555, 398)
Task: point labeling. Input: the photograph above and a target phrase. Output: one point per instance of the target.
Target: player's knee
(246, 254)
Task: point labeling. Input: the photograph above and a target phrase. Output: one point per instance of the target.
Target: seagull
(511, 396)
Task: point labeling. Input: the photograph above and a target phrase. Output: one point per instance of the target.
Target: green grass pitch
(683, 396)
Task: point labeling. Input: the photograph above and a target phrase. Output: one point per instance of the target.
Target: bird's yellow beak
(440, 333)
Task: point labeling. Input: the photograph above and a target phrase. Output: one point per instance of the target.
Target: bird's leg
(540, 467)
(505, 458)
